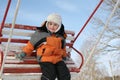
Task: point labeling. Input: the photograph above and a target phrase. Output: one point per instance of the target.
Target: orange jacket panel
(50, 52)
(28, 49)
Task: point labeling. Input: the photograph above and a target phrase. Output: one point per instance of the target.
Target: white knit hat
(56, 18)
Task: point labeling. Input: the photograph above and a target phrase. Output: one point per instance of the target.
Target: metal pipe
(5, 15)
(10, 36)
(82, 58)
(88, 19)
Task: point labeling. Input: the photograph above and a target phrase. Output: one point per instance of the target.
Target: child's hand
(20, 55)
(64, 58)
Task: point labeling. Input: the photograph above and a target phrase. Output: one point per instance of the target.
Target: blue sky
(33, 12)
(74, 13)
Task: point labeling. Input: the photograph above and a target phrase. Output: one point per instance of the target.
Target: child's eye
(50, 23)
(55, 24)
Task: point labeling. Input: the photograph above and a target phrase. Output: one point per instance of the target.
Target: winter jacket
(50, 47)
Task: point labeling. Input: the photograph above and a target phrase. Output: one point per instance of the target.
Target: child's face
(52, 27)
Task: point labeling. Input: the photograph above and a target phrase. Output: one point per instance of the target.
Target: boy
(49, 43)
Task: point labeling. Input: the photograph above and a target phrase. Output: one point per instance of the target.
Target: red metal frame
(1, 27)
(72, 69)
(88, 19)
(5, 15)
(29, 28)
(1, 58)
(82, 30)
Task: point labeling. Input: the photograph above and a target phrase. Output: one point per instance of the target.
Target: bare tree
(110, 42)
(108, 45)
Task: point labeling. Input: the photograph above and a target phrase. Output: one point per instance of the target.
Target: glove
(39, 58)
(64, 58)
(20, 55)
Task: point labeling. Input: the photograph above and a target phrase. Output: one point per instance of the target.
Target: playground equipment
(11, 43)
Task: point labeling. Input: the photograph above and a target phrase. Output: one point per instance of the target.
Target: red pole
(82, 58)
(5, 15)
(1, 58)
(88, 19)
